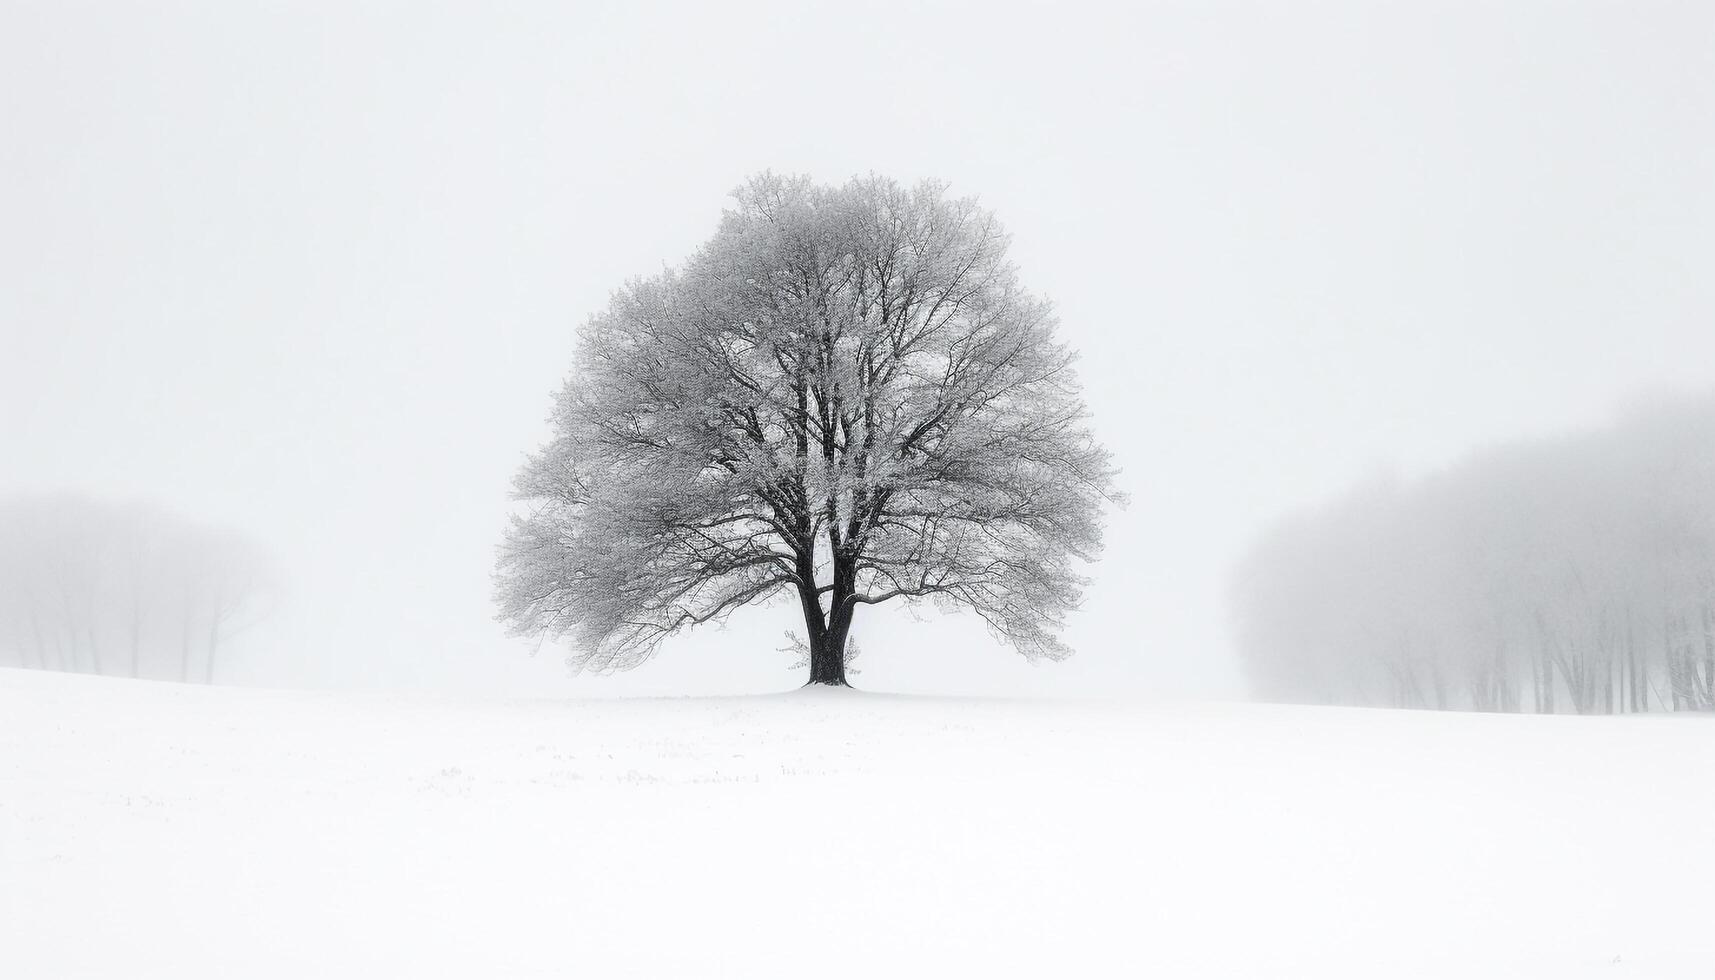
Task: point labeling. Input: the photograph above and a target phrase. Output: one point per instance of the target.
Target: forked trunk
(827, 641)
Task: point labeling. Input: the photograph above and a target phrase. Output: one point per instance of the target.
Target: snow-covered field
(152, 830)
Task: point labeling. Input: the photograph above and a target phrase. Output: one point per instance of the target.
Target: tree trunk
(1708, 657)
(1545, 668)
(213, 645)
(1535, 682)
(827, 654)
(828, 661)
(136, 637)
(41, 647)
(827, 631)
(185, 648)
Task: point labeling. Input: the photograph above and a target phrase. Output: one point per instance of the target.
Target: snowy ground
(151, 830)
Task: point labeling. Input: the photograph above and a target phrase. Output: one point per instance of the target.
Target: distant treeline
(125, 590)
(1567, 575)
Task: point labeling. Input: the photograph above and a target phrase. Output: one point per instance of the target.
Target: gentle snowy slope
(151, 830)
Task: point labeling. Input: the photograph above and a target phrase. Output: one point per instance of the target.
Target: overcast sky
(314, 270)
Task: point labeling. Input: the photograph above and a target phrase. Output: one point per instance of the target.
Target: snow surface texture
(154, 830)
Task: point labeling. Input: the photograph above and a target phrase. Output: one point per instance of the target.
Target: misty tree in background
(845, 396)
(1571, 575)
(121, 589)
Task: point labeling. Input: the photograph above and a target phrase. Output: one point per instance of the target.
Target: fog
(1574, 573)
(312, 272)
(124, 590)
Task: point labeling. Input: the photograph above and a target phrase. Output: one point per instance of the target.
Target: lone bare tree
(845, 394)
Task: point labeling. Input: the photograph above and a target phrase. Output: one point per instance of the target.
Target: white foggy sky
(313, 270)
